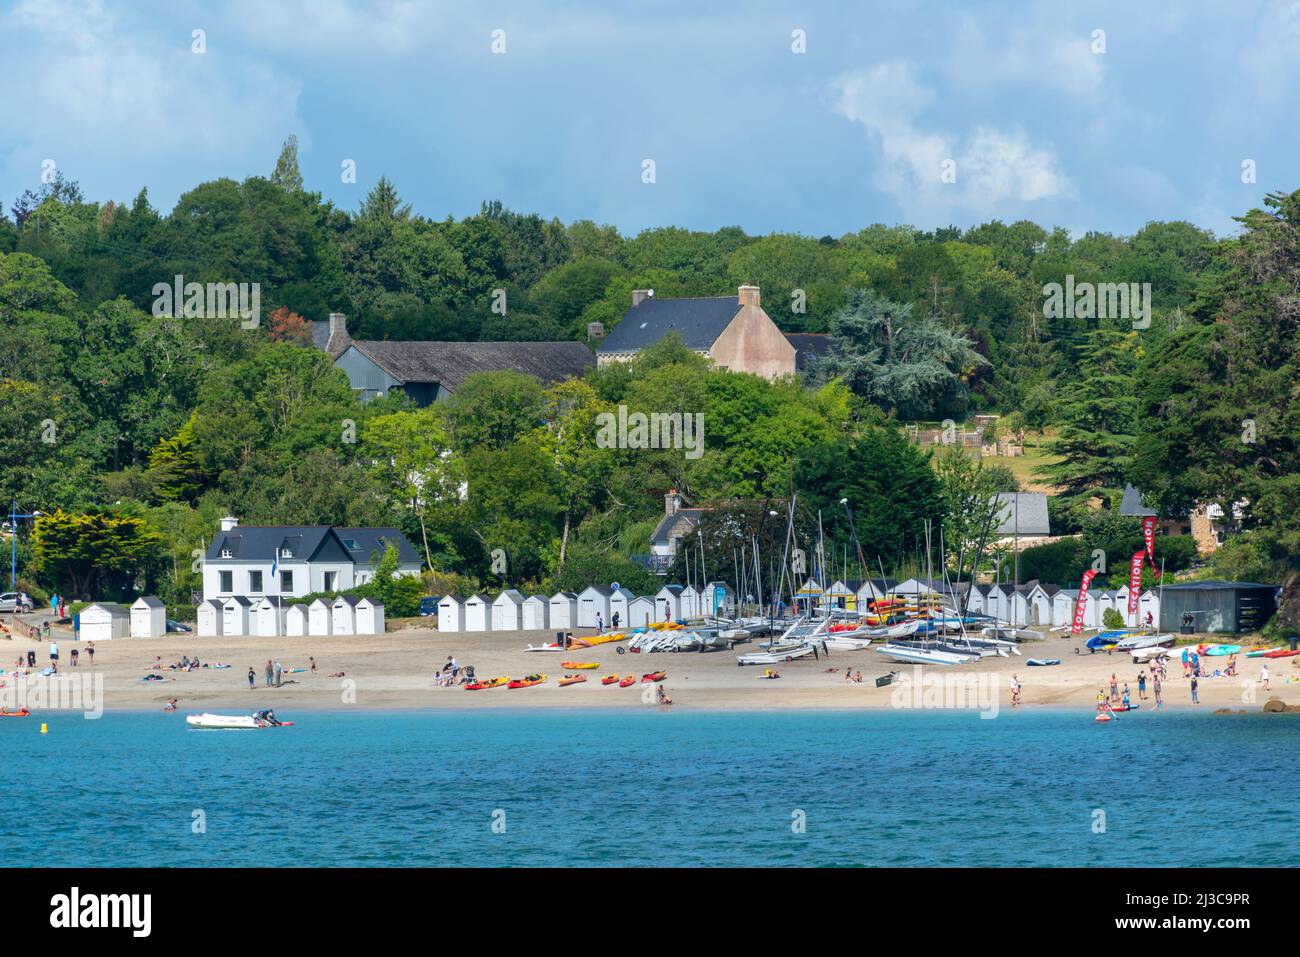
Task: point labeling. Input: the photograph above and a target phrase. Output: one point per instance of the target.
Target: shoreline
(393, 672)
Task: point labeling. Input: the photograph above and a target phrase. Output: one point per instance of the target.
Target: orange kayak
(609, 680)
(572, 680)
(628, 681)
(580, 665)
(24, 713)
(526, 682)
(655, 676)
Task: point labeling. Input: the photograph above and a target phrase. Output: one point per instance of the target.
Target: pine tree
(287, 174)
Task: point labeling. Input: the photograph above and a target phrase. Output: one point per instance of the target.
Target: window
(227, 582)
(226, 553)
(329, 581)
(350, 544)
(254, 582)
(286, 581)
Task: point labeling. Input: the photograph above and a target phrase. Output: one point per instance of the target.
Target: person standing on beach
(600, 623)
(252, 678)
(1263, 676)
(1142, 685)
(1195, 697)
(270, 672)
(54, 653)
(1114, 688)
(90, 650)
(1126, 704)
(74, 657)
(1155, 687)
(1187, 663)
(313, 663)
(278, 672)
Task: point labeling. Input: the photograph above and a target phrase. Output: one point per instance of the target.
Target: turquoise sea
(653, 788)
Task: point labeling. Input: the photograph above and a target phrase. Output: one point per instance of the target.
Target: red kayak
(655, 676)
(1281, 653)
(24, 713)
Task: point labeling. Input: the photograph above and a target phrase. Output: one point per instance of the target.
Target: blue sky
(742, 130)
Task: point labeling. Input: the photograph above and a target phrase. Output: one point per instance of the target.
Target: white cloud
(994, 167)
(99, 94)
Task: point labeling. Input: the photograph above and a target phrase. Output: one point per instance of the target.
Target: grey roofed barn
(450, 363)
(1022, 513)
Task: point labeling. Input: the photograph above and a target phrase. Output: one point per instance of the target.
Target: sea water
(507, 787)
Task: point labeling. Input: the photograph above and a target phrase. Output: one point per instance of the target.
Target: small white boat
(922, 656)
(1136, 642)
(1149, 654)
(846, 642)
(775, 657)
(550, 647)
(233, 722)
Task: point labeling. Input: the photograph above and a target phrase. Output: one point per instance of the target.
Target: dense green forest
(134, 432)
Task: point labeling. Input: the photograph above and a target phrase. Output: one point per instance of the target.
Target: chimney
(228, 523)
(672, 502)
(641, 295)
(338, 325)
(748, 296)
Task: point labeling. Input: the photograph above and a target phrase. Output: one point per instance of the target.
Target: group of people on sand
(24, 663)
(185, 664)
(275, 672)
(452, 674)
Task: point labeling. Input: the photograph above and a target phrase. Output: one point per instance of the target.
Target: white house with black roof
(733, 331)
(290, 561)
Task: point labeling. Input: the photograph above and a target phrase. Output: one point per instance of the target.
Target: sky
(1099, 115)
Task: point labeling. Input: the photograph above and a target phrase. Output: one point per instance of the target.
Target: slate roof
(808, 345)
(1211, 584)
(698, 321)
(1132, 503)
(306, 542)
(691, 515)
(371, 540)
(1029, 517)
(451, 363)
(151, 601)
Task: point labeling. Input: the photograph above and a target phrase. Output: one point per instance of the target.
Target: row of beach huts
(235, 615)
(512, 610)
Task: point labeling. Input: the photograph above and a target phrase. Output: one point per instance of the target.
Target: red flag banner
(1082, 604)
(1135, 581)
(1149, 536)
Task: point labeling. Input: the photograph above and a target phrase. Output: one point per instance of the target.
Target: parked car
(428, 606)
(15, 601)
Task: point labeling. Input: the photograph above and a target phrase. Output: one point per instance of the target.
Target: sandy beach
(395, 671)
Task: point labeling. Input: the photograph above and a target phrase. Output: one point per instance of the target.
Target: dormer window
(227, 553)
(286, 553)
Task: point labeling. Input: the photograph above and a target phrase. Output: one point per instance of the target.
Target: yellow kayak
(580, 665)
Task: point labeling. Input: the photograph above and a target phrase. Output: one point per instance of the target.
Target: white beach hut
(1039, 600)
(370, 617)
(869, 591)
(235, 610)
(105, 620)
(619, 600)
(508, 611)
(1149, 602)
(668, 603)
(690, 599)
(343, 614)
(564, 610)
(537, 613)
(592, 601)
(451, 614)
(295, 620)
(974, 599)
(320, 621)
(209, 618)
(1063, 607)
(640, 611)
(148, 618)
(269, 616)
(718, 598)
(478, 614)
(1100, 599)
